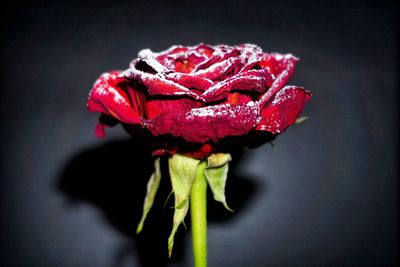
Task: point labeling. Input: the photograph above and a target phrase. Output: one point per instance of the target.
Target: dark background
(325, 195)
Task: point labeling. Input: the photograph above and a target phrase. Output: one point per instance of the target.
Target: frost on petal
(157, 84)
(147, 57)
(184, 59)
(277, 63)
(252, 80)
(202, 50)
(168, 57)
(283, 110)
(200, 125)
(251, 54)
(190, 81)
(109, 96)
(220, 53)
(283, 67)
(220, 69)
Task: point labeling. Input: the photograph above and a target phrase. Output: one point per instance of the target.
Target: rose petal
(158, 85)
(148, 57)
(204, 50)
(220, 53)
(235, 98)
(252, 80)
(219, 69)
(109, 97)
(154, 107)
(104, 122)
(173, 50)
(283, 66)
(200, 125)
(251, 54)
(190, 81)
(184, 59)
(277, 63)
(282, 112)
(248, 50)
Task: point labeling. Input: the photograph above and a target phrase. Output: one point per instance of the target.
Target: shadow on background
(113, 177)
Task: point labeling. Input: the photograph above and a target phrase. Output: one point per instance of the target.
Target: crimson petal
(147, 56)
(219, 69)
(190, 55)
(104, 122)
(154, 107)
(283, 110)
(200, 125)
(283, 65)
(278, 62)
(108, 97)
(253, 80)
(190, 81)
(220, 53)
(158, 84)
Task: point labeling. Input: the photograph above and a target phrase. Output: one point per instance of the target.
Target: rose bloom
(201, 99)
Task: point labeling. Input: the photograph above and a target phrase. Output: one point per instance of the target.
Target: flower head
(192, 100)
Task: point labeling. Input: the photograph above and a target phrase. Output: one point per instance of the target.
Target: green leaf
(218, 159)
(301, 119)
(179, 216)
(216, 174)
(182, 170)
(152, 187)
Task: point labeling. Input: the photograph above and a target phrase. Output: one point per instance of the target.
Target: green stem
(198, 212)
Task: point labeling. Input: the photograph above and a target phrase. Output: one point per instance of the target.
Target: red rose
(192, 98)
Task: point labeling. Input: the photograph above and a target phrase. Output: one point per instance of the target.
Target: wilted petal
(283, 110)
(283, 67)
(220, 69)
(220, 53)
(104, 122)
(252, 80)
(109, 96)
(190, 81)
(154, 107)
(168, 57)
(159, 85)
(200, 125)
(278, 62)
(204, 51)
(184, 59)
(148, 57)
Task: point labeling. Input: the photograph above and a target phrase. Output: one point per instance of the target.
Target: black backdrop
(325, 195)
